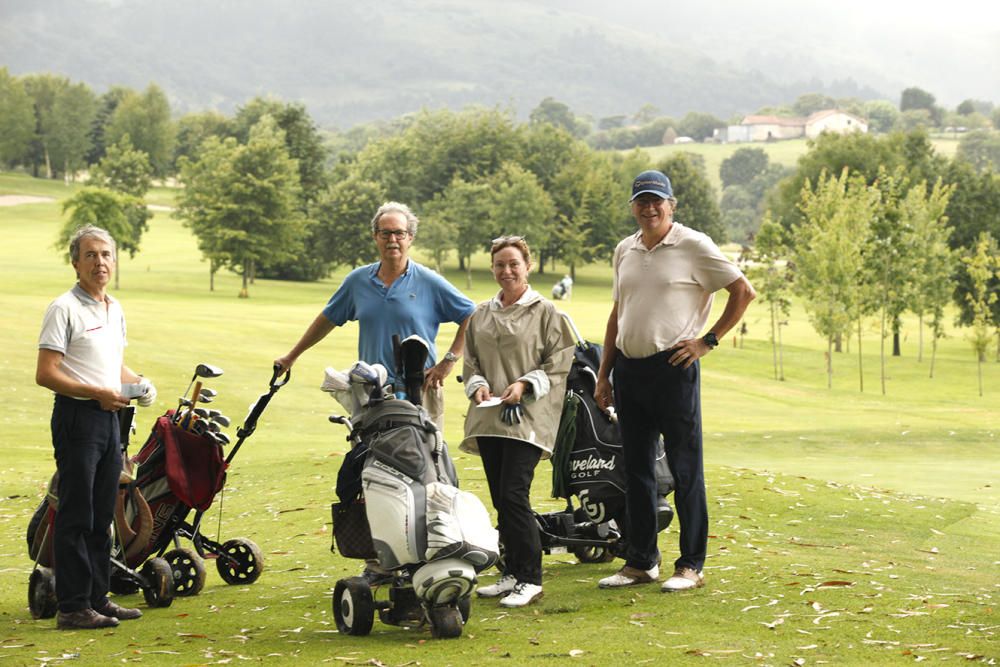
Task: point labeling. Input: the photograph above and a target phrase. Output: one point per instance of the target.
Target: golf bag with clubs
(587, 463)
(180, 468)
(400, 506)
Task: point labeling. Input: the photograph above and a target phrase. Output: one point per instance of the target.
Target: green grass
(846, 527)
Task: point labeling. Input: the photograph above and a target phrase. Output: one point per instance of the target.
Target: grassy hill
(847, 527)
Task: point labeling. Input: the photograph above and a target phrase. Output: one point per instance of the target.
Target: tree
(102, 208)
(770, 273)
(145, 118)
(522, 206)
(698, 126)
(982, 267)
(743, 166)
(72, 115)
(933, 263)
(558, 114)
(106, 105)
(194, 128)
(981, 149)
(697, 205)
(466, 208)
(241, 201)
(812, 102)
(917, 99)
(343, 222)
(17, 119)
(882, 115)
(43, 90)
(828, 254)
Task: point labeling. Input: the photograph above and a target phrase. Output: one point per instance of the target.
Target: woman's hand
(481, 394)
(514, 392)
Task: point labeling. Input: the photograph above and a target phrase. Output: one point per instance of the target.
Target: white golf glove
(148, 395)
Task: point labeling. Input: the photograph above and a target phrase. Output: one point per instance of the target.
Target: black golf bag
(587, 463)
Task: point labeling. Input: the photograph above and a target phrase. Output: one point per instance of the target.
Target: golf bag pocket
(458, 526)
(352, 536)
(395, 515)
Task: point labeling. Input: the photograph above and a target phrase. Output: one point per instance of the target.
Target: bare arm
(316, 332)
(741, 293)
(602, 392)
(50, 375)
(435, 375)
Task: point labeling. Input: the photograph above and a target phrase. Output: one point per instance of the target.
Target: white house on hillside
(774, 128)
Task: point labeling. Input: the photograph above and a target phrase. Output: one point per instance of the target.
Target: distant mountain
(351, 62)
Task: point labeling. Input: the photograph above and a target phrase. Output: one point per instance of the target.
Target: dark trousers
(88, 457)
(510, 467)
(653, 398)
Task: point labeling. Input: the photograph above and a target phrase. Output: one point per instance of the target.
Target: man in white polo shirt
(81, 358)
(665, 276)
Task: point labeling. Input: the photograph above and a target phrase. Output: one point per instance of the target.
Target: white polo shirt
(664, 294)
(90, 335)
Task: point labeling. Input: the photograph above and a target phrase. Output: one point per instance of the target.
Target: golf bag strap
(133, 540)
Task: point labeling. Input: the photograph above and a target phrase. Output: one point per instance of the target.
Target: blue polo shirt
(416, 303)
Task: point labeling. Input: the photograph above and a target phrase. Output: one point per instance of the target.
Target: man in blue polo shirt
(395, 295)
(81, 357)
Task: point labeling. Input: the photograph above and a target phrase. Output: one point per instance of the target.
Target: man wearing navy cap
(665, 276)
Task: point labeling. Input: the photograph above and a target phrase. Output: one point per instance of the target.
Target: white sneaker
(522, 595)
(630, 576)
(684, 579)
(504, 585)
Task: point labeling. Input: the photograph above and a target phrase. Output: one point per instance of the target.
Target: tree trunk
(920, 338)
(861, 369)
(829, 362)
(781, 356)
(572, 274)
(882, 349)
(774, 337)
(211, 274)
(895, 343)
(244, 292)
(461, 262)
(933, 354)
(468, 274)
(838, 343)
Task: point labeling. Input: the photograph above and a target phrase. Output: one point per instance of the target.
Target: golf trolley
(180, 468)
(587, 462)
(400, 506)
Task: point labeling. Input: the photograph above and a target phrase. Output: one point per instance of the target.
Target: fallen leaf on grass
(827, 584)
(192, 635)
(575, 653)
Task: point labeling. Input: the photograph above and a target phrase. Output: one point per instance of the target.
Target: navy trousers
(87, 444)
(510, 467)
(653, 398)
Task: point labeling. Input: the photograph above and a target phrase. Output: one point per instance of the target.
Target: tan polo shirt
(664, 295)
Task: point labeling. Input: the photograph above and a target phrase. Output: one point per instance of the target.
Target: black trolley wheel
(446, 621)
(593, 554)
(465, 608)
(188, 571)
(42, 593)
(240, 561)
(159, 582)
(122, 583)
(353, 606)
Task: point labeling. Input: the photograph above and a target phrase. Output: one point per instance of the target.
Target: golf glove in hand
(149, 395)
(511, 414)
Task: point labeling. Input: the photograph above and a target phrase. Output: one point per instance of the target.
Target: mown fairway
(847, 528)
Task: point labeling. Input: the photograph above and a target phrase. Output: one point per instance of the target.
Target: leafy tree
(828, 253)
(43, 89)
(882, 115)
(697, 205)
(933, 262)
(771, 274)
(812, 102)
(145, 117)
(739, 212)
(647, 113)
(17, 119)
(982, 267)
(970, 106)
(343, 222)
(917, 99)
(699, 126)
(465, 207)
(981, 149)
(195, 128)
(522, 206)
(72, 115)
(611, 122)
(241, 201)
(915, 119)
(106, 105)
(743, 166)
(102, 208)
(558, 114)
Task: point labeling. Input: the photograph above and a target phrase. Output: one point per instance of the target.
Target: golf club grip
(276, 373)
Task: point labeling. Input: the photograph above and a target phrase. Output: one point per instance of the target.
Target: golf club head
(183, 402)
(201, 412)
(205, 391)
(213, 413)
(221, 420)
(213, 427)
(220, 438)
(207, 371)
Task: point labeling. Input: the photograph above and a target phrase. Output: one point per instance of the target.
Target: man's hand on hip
(689, 351)
(435, 375)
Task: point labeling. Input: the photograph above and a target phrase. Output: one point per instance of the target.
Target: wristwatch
(450, 356)
(711, 340)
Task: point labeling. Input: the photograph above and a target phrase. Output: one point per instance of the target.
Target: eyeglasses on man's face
(387, 234)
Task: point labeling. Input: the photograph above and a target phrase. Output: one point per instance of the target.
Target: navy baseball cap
(653, 182)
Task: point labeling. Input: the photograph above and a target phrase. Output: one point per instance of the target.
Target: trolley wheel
(593, 554)
(159, 580)
(240, 562)
(446, 621)
(42, 593)
(122, 583)
(188, 569)
(353, 606)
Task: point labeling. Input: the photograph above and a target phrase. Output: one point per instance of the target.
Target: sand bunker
(17, 200)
